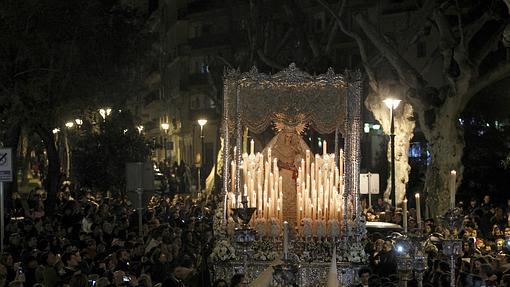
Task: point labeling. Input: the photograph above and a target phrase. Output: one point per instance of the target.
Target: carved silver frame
(348, 85)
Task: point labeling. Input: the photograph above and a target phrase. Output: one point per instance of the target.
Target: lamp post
(392, 104)
(201, 123)
(165, 127)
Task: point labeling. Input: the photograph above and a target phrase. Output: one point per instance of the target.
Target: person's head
(220, 283)
(486, 199)
(122, 255)
(78, 280)
(473, 203)
(6, 259)
(118, 278)
(388, 246)
(237, 280)
(102, 282)
(144, 281)
(71, 259)
(364, 275)
(477, 265)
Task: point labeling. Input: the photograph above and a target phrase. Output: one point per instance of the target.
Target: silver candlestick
(452, 246)
(244, 235)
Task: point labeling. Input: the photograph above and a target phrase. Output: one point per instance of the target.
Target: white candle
(453, 187)
(418, 210)
(404, 220)
(285, 239)
(341, 163)
(252, 147)
(324, 148)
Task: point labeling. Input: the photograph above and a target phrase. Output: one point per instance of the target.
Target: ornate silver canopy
(318, 100)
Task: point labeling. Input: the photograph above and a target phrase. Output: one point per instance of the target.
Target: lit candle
(418, 210)
(252, 147)
(285, 240)
(404, 221)
(453, 187)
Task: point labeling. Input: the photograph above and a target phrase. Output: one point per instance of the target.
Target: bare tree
(468, 38)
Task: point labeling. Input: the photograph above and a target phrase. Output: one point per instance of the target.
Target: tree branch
(507, 2)
(282, 42)
(486, 80)
(296, 19)
(490, 45)
(407, 74)
(430, 61)
(419, 20)
(33, 70)
(359, 41)
(473, 28)
(446, 43)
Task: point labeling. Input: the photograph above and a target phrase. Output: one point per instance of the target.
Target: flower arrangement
(355, 253)
(334, 228)
(275, 228)
(223, 251)
(260, 227)
(264, 251)
(307, 227)
(218, 228)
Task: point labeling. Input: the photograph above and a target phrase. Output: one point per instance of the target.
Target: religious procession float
(288, 212)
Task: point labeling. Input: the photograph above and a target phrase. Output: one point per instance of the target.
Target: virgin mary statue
(289, 149)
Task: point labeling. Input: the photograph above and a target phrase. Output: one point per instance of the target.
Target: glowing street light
(165, 126)
(55, 131)
(79, 122)
(104, 112)
(392, 104)
(201, 123)
(69, 125)
(139, 128)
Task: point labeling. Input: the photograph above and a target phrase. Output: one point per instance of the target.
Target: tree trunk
(446, 143)
(52, 183)
(404, 127)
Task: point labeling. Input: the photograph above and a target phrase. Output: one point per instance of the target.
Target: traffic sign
(6, 165)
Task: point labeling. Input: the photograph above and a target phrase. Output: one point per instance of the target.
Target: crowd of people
(484, 229)
(95, 241)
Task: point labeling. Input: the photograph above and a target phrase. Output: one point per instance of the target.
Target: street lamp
(201, 123)
(392, 104)
(104, 112)
(55, 131)
(139, 128)
(165, 127)
(69, 125)
(79, 122)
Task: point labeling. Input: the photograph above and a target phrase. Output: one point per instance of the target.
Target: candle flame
(417, 195)
(453, 172)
